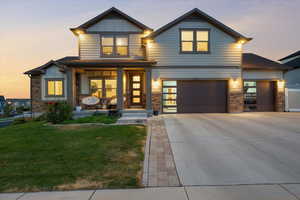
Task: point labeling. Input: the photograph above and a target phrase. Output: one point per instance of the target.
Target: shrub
(40, 118)
(7, 110)
(20, 120)
(58, 112)
(20, 109)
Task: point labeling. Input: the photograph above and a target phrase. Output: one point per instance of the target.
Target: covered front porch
(120, 87)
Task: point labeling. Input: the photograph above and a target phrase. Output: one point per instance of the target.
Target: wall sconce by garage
(280, 84)
(156, 84)
(235, 83)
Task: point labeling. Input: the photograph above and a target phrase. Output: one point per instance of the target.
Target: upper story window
(194, 41)
(114, 45)
(55, 87)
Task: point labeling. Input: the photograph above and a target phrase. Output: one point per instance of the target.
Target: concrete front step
(135, 113)
(132, 120)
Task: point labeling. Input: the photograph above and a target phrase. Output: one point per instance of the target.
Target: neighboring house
(16, 103)
(192, 64)
(292, 79)
(2, 103)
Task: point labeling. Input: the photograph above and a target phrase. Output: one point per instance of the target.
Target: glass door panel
(136, 89)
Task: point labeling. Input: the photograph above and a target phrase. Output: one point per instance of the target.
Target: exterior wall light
(235, 84)
(149, 43)
(281, 85)
(240, 43)
(156, 85)
(147, 32)
(79, 32)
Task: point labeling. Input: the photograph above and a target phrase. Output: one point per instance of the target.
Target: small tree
(58, 112)
(20, 109)
(7, 110)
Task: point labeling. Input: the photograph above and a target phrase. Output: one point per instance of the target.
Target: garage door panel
(202, 96)
(265, 96)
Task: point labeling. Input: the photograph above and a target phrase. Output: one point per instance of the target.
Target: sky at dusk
(35, 31)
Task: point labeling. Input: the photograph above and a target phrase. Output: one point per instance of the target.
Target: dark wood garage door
(202, 96)
(265, 96)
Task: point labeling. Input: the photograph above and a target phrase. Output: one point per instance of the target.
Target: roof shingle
(254, 61)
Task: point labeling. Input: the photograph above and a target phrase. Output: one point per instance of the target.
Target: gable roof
(206, 17)
(297, 53)
(112, 10)
(41, 69)
(254, 61)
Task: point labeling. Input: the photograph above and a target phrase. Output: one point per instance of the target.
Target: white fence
(292, 100)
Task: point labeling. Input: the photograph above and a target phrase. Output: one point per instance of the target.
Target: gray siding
(90, 46)
(195, 73)
(224, 50)
(262, 75)
(292, 78)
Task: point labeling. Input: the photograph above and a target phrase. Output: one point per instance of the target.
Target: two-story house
(192, 64)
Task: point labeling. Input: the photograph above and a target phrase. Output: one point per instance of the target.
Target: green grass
(35, 157)
(93, 119)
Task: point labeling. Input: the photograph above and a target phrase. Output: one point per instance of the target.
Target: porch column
(120, 103)
(70, 86)
(149, 90)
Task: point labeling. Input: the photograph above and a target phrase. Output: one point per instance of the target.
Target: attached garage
(198, 96)
(263, 84)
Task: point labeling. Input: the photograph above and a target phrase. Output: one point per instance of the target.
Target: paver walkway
(238, 192)
(160, 170)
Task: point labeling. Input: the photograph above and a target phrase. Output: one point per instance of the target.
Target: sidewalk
(239, 192)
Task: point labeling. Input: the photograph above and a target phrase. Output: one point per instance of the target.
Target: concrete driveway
(229, 149)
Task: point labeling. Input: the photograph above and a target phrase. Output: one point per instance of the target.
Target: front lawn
(100, 118)
(35, 157)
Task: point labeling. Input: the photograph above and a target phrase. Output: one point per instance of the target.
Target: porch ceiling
(109, 63)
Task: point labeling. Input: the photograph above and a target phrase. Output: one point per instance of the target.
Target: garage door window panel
(169, 96)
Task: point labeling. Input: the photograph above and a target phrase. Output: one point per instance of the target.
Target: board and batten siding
(89, 44)
(262, 75)
(114, 25)
(224, 50)
(195, 73)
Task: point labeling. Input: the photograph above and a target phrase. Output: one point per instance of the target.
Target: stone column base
(235, 96)
(156, 102)
(279, 99)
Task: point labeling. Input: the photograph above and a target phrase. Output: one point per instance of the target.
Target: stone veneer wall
(156, 101)
(235, 102)
(36, 94)
(235, 98)
(279, 99)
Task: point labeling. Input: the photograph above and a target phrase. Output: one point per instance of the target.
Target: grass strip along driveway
(35, 157)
